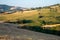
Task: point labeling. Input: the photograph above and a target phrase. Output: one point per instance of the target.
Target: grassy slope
(28, 15)
(48, 16)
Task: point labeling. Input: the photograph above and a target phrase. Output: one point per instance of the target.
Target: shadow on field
(19, 21)
(40, 29)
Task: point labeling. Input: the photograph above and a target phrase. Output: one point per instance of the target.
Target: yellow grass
(19, 15)
(54, 25)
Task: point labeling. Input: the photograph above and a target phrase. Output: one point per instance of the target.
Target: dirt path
(54, 25)
(12, 30)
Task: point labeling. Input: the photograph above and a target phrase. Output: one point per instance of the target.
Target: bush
(40, 29)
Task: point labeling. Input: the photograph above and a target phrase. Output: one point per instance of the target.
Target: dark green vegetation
(53, 30)
(20, 21)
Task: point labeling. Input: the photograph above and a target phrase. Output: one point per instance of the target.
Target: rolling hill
(7, 8)
(49, 15)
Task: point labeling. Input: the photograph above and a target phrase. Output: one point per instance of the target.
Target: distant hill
(7, 8)
(4, 8)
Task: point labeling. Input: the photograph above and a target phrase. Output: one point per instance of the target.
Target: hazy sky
(29, 3)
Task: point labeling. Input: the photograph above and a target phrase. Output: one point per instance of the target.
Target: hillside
(45, 15)
(4, 8)
(10, 9)
(44, 20)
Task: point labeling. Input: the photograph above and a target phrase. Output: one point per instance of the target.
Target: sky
(29, 3)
